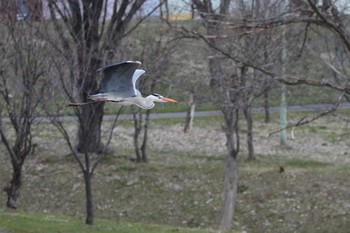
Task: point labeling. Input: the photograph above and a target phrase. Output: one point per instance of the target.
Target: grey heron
(119, 85)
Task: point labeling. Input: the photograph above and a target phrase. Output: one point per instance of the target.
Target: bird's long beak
(165, 99)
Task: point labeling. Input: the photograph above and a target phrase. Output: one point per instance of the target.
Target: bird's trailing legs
(76, 104)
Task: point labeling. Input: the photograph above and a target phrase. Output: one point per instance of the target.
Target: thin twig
(113, 127)
(304, 120)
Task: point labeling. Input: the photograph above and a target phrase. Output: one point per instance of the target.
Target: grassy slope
(45, 223)
(182, 186)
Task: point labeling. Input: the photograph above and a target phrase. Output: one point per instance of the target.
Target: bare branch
(143, 18)
(293, 80)
(304, 120)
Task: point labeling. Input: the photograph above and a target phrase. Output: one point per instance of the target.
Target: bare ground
(182, 184)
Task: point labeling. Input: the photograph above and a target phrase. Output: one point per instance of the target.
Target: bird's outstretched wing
(118, 78)
(137, 74)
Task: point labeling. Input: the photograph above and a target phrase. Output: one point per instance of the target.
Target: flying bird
(119, 86)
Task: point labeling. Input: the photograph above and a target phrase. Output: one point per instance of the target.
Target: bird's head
(158, 98)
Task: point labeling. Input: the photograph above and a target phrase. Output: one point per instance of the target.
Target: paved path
(297, 108)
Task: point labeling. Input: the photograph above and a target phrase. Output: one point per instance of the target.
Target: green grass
(16, 222)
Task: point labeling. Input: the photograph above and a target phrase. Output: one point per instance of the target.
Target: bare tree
(324, 23)
(237, 85)
(255, 46)
(87, 34)
(322, 14)
(21, 87)
(58, 90)
(213, 24)
(235, 47)
(157, 59)
(94, 32)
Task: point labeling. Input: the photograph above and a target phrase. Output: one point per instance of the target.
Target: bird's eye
(155, 94)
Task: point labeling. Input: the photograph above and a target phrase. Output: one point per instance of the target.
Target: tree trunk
(190, 112)
(89, 202)
(283, 116)
(145, 126)
(231, 173)
(283, 103)
(145, 137)
(266, 107)
(89, 133)
(230, 195)
(12, 189)
(215, 72)
(249, 120)
(137, 117)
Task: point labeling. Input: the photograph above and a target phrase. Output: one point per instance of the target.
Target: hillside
(182, 184)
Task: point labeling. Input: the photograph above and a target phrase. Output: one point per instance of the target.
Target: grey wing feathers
(118, 78)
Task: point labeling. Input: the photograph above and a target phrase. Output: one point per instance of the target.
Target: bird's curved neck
(146, 103)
